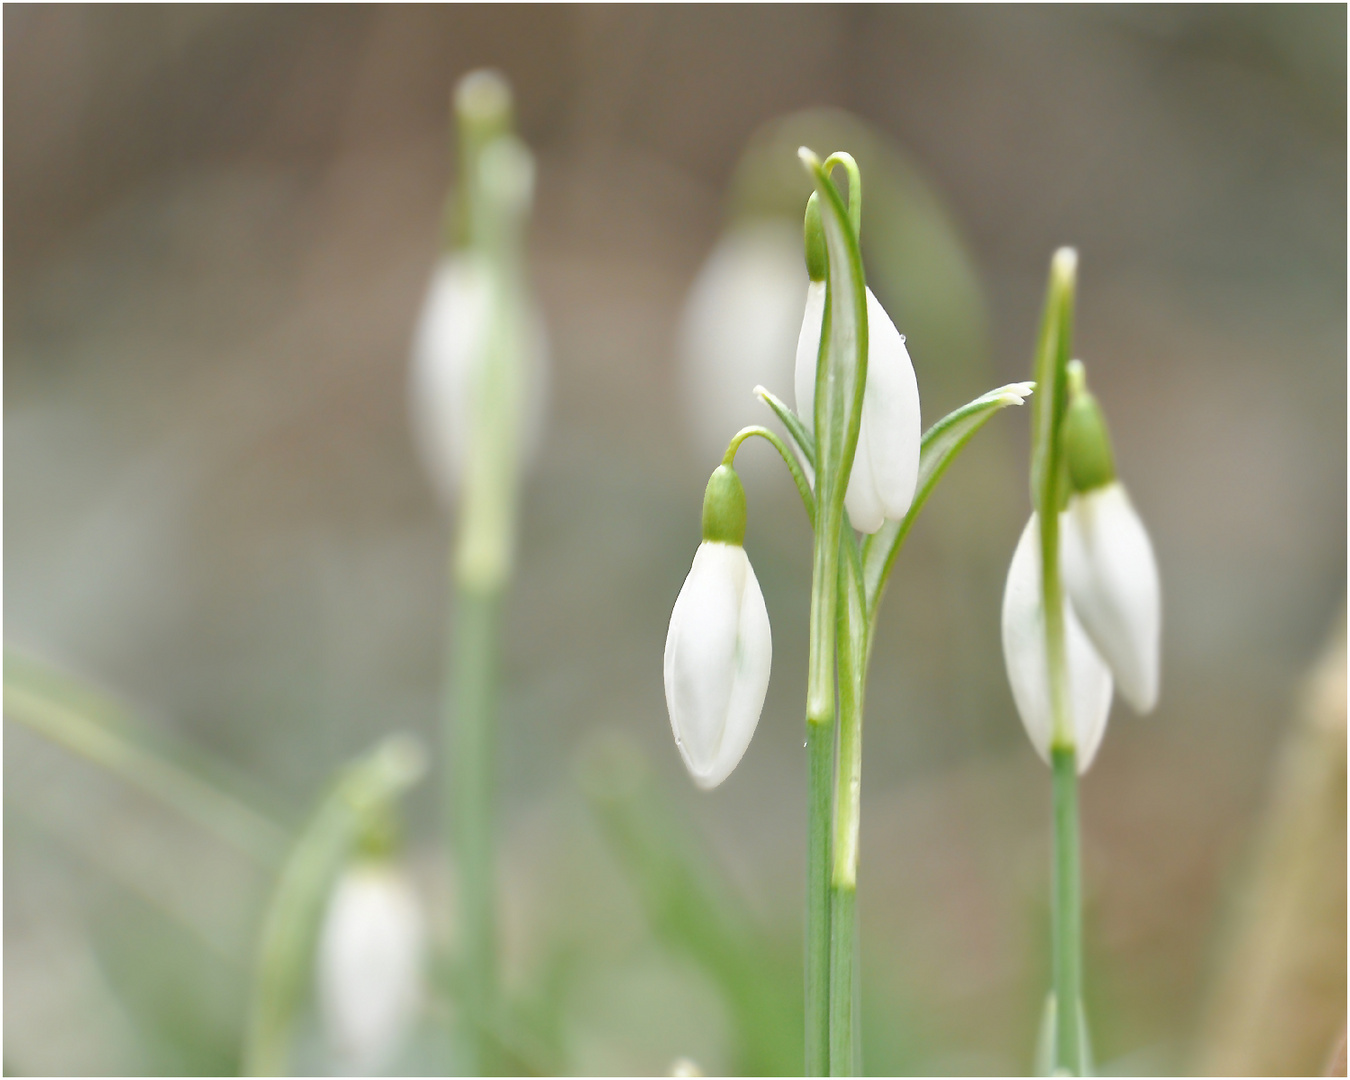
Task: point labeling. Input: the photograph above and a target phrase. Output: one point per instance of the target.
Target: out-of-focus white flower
(738, 329)
(719, 648)
(886, 463)
(1028, 671)
(1111, 578)
(371, 952)
(448, 347)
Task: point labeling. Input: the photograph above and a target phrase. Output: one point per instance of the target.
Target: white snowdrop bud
(1111, 577)
(448, 348)
(886, 463)
(1089, 679)
(371, 951)
(718, 648)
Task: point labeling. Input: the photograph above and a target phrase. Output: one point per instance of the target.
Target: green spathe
(1087, 444)
(724, 507)
(817, 260)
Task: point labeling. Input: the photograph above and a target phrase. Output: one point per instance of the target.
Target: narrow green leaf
(939, 447)
(692, 908)
(802, 439)
(74, 715)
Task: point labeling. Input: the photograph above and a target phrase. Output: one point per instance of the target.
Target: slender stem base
(1067, 917)
(820, 755)
(845, 1033)
(471, 746)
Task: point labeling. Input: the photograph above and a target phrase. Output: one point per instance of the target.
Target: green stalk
(841, 376)
(471, 736)
(852, 634)
(497, 189)
(1066, 927)
(1048, 492)
(820, 758)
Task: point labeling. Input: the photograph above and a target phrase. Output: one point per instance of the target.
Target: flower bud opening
(1087, 445)
(724, 507)
(817, 261)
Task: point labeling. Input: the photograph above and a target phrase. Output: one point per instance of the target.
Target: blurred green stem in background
(358, 803)
(496, 190)
(1049, 492)
(90, 725)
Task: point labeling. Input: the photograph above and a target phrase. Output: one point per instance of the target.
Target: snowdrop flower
(1107, 562)
(738, 330)
(886, 463)
(448, 346)
(370, 964)
(1028, 668)
(718, 648)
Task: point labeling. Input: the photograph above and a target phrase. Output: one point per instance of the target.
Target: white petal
(890, 413)
(865, 509)
(808, 354)
(737, 331)
(370, 964)
(1112, 580)
(446, 347)
(1025, 658)
(718, 654)
(886, 464)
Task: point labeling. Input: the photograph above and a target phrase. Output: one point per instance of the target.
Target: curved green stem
(841, 157)
(789, 459)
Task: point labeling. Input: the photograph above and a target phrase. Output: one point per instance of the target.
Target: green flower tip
(380, 835)
(1087, 444)
(724, 507)
(483, 102)
(817, 262)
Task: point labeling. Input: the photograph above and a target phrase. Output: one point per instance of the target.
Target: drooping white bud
(718, 654)
(1111, 578)
(449, 345)
(371, 952)
(1024, 654)
(886, 463)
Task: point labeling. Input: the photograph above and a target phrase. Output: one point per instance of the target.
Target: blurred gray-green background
(219, 224)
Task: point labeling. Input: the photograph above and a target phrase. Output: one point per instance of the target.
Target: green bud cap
(724, 507)
(380, 834)
(1087, 444)
(817, 261)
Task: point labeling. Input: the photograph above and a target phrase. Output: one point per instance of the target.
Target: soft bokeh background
(219, 223)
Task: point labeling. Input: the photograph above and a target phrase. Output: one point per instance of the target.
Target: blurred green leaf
(693, 910)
